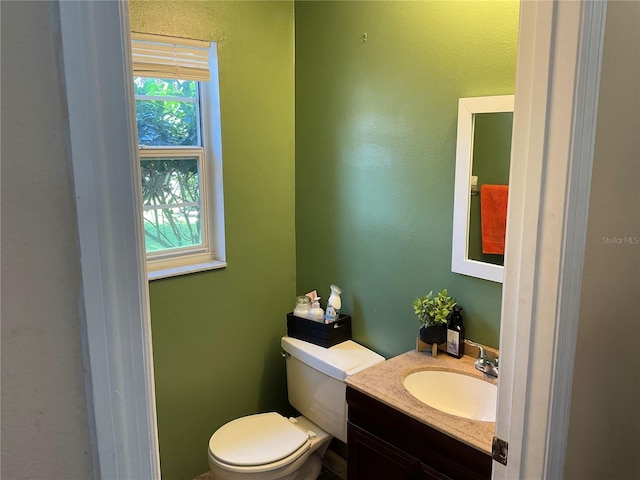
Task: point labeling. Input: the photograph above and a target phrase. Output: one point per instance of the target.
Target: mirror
(483, 154)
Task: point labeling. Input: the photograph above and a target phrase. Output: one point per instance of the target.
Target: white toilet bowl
(267, 446)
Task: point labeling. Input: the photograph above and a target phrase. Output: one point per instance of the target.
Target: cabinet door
(442, 456)
(373, 459)
(428, 473)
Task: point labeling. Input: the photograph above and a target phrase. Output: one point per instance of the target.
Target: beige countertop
(384, 382)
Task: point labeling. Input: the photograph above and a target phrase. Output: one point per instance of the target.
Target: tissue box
(322, 334)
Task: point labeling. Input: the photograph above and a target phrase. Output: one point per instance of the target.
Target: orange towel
(493, 216)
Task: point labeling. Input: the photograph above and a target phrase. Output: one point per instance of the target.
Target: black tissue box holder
(322, 334)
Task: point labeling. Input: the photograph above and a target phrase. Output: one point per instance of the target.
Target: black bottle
(455, 333)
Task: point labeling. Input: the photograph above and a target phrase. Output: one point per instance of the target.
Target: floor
(328, 474)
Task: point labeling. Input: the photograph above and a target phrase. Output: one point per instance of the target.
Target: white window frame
(211, 254)
(181, 153)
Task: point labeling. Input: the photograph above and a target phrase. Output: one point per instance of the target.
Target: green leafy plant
(433, 310)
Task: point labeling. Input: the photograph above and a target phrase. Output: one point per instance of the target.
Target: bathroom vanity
(393, 435)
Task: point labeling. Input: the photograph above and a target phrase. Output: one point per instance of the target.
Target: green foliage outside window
(167, 116)
(173, 185)
(167, 122)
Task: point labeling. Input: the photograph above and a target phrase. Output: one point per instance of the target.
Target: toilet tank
(315, 380)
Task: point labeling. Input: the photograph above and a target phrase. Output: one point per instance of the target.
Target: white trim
(554, 128)
(460, 261)
(95, 37)
(212, 142)
(183, 269)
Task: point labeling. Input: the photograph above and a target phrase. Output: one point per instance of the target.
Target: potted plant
(433, 312)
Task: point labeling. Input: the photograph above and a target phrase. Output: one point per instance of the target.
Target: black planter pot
(434, 334)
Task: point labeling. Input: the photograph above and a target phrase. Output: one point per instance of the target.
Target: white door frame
(557, 82)
(117, 329)
(556, 101)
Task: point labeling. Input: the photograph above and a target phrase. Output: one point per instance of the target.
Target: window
(171, 159)
(177, 113)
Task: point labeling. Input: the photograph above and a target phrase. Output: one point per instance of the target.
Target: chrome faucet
(484, 363)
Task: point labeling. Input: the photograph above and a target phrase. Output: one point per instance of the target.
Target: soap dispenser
(316, 313)
(334, 304)
(455, 333)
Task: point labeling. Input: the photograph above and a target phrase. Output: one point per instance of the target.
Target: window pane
(165, 87)
(171, 198)
(167, 112)
(169, 228)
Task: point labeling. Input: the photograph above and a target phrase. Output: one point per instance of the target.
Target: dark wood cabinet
(372, 458)
(428, 473)
(385, 444)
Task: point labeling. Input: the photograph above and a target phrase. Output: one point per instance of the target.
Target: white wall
(604, 430)
(45, 432)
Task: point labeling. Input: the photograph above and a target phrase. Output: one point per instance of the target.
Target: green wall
(216, 334)
(375, 154)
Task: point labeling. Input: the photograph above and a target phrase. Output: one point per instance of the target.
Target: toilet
(268, 446)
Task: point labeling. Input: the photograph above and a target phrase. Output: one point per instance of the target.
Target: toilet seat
(258, 442)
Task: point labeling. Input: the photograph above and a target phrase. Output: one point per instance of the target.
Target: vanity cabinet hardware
(500, 450)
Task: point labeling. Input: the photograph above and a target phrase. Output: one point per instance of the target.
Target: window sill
(175, 271)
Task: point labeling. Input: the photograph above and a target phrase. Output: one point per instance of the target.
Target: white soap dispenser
(333, 305)
(316, 313)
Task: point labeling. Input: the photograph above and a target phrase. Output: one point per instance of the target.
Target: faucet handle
(482, 354)
(484, 363)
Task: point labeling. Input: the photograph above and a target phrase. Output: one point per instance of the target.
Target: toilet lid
(257, 440)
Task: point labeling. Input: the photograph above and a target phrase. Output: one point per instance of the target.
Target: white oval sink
(454, 393)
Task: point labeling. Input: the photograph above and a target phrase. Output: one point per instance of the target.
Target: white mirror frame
(460, 261)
